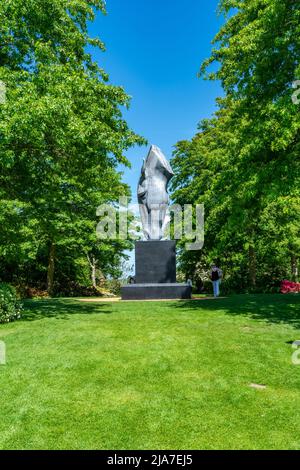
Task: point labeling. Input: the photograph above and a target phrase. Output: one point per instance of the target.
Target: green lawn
(154, 375)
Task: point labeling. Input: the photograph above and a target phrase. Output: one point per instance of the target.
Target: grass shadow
(271, 308)
(60, 309)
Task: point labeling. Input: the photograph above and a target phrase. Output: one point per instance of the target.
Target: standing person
(215, 276)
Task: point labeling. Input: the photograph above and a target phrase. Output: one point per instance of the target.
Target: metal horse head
(152, 193)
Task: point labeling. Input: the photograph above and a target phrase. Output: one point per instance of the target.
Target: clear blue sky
(154, 49)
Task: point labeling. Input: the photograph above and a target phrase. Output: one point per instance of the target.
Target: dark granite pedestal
(155, 264)
(156, 291)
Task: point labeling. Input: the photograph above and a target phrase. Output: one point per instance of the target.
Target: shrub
(10, 307)
(74, 289)
(26, 292)
(113, 287)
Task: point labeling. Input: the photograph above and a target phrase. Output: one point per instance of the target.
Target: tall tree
(62, 135)
(250, 149)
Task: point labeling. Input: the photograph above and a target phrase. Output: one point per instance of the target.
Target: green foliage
(62, 138)
(113, 286)
(244, 163)
(44, 31)
(10, 307)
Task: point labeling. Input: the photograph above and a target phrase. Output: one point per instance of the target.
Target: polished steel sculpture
(152, 194)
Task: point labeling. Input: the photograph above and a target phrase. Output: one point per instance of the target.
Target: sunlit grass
(156, 375)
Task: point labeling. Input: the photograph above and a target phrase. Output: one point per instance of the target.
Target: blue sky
(154, 49)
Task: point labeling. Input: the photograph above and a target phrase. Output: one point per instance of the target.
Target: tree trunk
(51, 267)
(252, 266)
(93, 265)
(294, 268)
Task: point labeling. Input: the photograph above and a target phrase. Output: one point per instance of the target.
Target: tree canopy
(62, 138)
(245, 160)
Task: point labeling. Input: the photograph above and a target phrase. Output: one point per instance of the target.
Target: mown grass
(152, 375)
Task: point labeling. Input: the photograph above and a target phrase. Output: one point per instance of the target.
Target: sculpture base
(156, 291)
(155, 273)
(155, 261)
